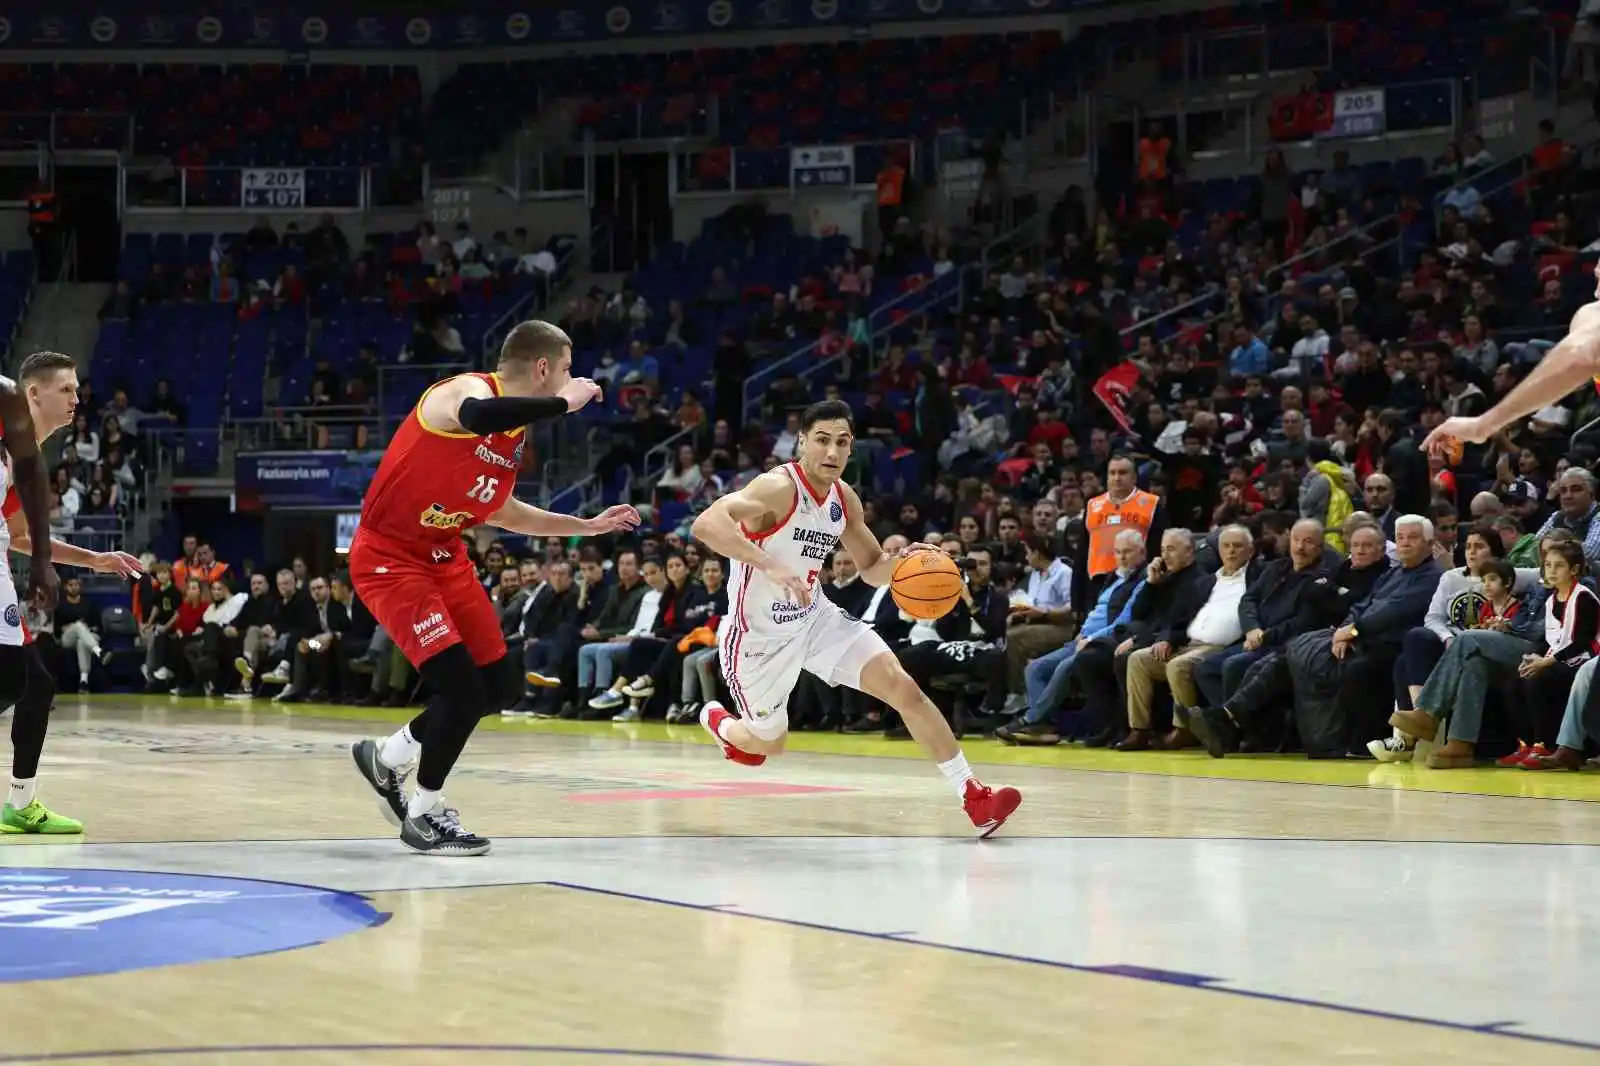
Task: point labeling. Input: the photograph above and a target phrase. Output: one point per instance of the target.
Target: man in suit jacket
(1168, 596)
(315, 625)
(1202, 618)
(1270, 613)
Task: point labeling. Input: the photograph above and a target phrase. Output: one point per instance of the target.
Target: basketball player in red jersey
(48, 381)
(1570, 364)
(452, 466)
(775, 532)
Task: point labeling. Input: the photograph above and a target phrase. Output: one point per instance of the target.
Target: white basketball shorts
(762, 670)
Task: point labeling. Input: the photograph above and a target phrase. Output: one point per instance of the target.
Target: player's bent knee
(502, 682)
(456, 680)
(885, 678)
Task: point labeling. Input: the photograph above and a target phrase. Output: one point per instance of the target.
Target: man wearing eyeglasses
(1576, 512)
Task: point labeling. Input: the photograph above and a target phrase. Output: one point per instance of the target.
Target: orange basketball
(926, 585)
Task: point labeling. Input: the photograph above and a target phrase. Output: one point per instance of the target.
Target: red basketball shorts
(426, 605)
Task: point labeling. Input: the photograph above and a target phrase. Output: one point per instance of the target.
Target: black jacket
(852, 598)
(1330, 597)
(551, 613)
(621, 610)
(674, 618)
(710, 607)
(297, 617)
(338, 618)
(362, 624)
(1166, 608)
(990, 613)
(1407, 467)
(257, 611)
(1275, 599)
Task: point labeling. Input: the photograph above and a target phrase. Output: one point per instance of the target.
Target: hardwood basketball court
(239, 899)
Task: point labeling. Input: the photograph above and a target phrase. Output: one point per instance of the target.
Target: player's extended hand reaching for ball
(578, 392)
(618, 519)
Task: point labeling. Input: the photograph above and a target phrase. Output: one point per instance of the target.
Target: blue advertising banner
(469, 23)
(303, 481)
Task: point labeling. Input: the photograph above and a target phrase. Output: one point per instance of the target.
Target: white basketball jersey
(800, 542)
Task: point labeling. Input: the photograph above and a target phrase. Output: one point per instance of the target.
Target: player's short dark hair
(43, 364)
(827, 411)
(531, 341)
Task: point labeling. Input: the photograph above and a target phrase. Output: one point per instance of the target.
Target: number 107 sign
(273, 187)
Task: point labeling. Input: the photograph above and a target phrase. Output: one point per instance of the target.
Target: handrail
(1495, 190)
(764, 374)
(663, 451)
(1312, 253)
(1521, 160)
(1215, 290)
(495, 334)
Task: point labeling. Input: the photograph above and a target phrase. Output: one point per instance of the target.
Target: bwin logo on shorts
(13, 619)
(434, 619)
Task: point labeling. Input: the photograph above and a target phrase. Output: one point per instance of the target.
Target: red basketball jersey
(434, 483)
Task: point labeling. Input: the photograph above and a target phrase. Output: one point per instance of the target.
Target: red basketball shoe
(989, 807)
(712, 715)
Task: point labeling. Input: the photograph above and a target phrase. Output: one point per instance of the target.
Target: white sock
(423, 800)
(22, 792)
(722, 728)
(958, 773)
(401, 749)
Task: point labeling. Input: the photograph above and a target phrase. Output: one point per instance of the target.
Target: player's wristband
(502, 414)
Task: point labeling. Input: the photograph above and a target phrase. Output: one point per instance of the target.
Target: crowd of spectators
(1286, 551)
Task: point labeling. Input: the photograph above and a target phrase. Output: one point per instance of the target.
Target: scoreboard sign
(450, 205)
(275, 188)
(823, 165)
(1356, 113)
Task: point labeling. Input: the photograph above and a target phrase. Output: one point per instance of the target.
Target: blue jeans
(1574, 730)
(1046, 679)
(597, 663)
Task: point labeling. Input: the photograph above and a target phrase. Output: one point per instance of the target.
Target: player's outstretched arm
(112, 562)
(1569, 365)
(875, 565)
(760, 505)
(531, 521)
(467, 404)
(33, 489)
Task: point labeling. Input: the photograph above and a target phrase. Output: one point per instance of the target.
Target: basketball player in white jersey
(1564, 368)
(776, 532)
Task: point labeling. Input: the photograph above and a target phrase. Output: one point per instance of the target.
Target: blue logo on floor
(72, 923)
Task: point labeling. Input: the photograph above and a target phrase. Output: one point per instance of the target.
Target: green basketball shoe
(37, 818)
